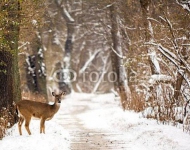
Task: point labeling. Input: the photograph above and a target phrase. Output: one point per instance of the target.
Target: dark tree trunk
(68, 44)
(121, 85)
(9, 73)
(36, 69)
(180, 78)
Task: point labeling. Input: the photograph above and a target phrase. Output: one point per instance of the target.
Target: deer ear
(53, 93)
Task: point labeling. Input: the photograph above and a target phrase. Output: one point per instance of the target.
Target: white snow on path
(105, 114)
(140, 133)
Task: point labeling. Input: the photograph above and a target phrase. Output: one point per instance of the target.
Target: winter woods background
(137, 49)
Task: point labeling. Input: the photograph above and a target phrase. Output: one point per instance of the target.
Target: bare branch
(161, 78)
(92, 56)
(175, 63)
(120, 56)
(64, 11)
(173, 59)
(171, 31)
(69, 17)
(26, 43)
(167, 53)
(104, 70)
(184, 4)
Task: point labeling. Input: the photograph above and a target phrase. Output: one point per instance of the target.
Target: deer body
(28, 109)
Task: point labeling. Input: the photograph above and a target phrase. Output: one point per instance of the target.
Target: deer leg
(44, 128)
(27, 123)
(42, 125)
(20, 122)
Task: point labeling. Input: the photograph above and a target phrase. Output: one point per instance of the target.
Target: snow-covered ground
(140, 133)
(104, 113)
(56, 138)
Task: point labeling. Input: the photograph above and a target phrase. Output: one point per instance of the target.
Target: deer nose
(59, 100)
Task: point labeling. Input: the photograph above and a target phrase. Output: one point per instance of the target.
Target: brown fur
(28, 109)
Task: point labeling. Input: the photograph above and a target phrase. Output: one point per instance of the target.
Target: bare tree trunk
(68, 44)
(36, 70)
(149, 37)
(117, 58)
(155, 97)
(182, 54)
(180, 78)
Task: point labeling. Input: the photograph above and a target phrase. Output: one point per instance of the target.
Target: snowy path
(84, 138)
(97, 122)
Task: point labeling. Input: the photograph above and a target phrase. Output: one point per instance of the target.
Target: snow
(34, 22)
(104, 113)
(56, 138)
(142, 133)
(154, 60)
(160, 78)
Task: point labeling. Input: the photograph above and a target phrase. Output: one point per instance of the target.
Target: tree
(36, 68)
(89, 58)
(166, 90)
(121, 85)
(31, 57)
(9, 73)
(69, 42)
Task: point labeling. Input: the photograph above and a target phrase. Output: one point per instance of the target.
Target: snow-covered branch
(171, 30)
(92, 56)
(167, 53)
(184, 4)
(154, 61)
(171, 55)
(160, 79)
(23, 45)
(68, 16)
(176, 60)
(153, 19)
(64, 11)
(104, 70)
(120, 56)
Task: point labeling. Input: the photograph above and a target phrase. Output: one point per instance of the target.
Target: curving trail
(82, 137)
(97, 122)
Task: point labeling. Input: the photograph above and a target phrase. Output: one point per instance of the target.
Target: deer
(28, 109)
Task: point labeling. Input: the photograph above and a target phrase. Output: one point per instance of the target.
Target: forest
(138, 50)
